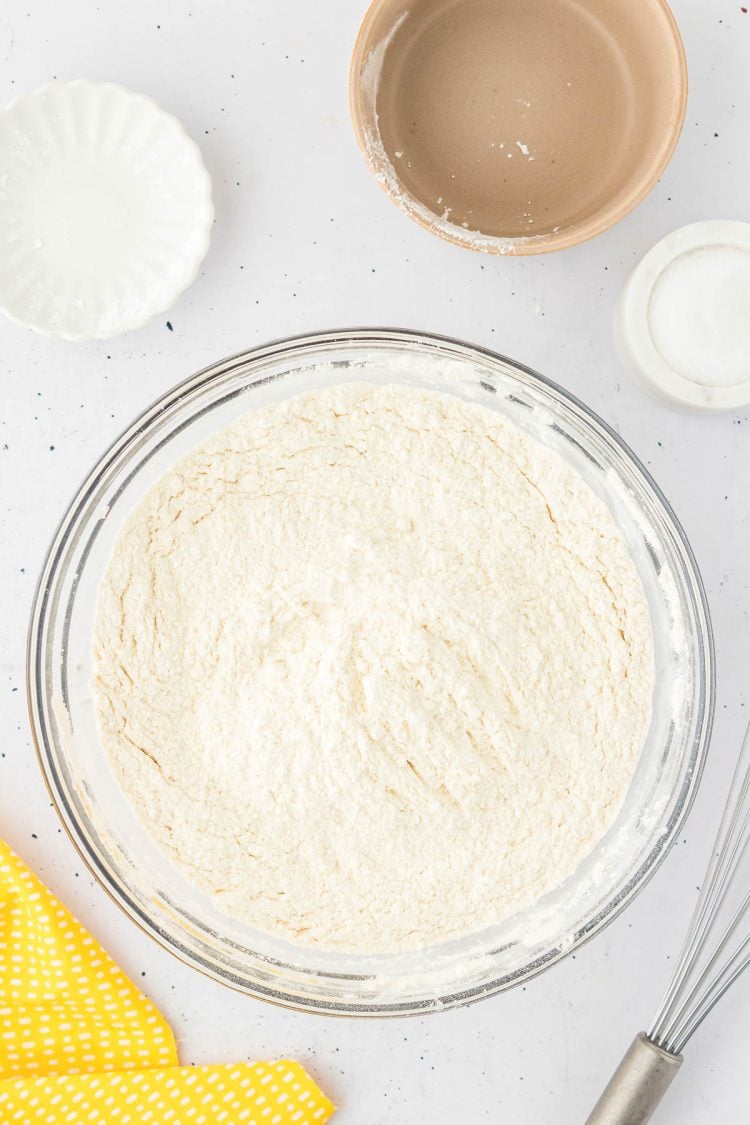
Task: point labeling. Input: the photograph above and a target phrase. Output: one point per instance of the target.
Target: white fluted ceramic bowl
(105, 210)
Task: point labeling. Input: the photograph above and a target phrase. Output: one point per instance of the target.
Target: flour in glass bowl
(374, 667)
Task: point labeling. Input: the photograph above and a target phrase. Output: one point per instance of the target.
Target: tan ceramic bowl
(518, 126)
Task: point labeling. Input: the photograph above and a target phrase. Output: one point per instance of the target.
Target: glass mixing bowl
(144, 882)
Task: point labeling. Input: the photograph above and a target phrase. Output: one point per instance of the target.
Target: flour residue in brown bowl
(518, 126)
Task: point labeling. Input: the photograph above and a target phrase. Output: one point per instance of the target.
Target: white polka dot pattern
(65, 1006)
(81, 1045)
(260, 1094)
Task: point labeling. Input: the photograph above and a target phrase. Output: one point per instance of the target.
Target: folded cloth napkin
(80, 1045)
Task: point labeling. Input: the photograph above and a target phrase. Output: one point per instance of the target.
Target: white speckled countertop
(305, 240)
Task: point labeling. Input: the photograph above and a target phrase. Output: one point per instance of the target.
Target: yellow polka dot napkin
(80, 1045)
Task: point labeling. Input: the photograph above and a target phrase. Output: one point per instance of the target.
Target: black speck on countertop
(169, 326)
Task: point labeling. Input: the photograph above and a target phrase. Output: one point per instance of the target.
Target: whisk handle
(637, 1086)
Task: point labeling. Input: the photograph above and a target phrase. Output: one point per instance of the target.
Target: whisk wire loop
(701, 976)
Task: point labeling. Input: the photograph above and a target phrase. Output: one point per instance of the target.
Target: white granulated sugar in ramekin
(374, 667)
(699, 315)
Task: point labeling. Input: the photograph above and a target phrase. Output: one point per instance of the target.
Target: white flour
(374, 667)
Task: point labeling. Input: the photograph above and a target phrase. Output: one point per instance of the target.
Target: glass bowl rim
(41, 620)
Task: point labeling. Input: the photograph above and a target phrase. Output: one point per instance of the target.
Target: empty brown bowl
(518, 126)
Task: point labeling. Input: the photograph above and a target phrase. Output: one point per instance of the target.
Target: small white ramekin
(633, 330)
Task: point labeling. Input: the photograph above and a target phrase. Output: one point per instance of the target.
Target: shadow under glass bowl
(144, 882)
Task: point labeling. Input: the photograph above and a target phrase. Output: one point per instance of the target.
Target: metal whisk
(716, 951)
